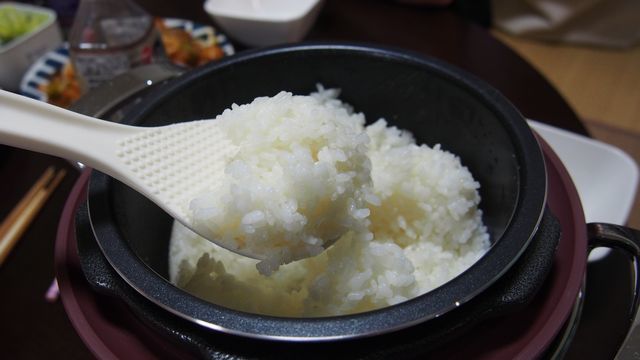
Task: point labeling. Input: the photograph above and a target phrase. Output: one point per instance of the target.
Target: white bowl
(264, 22)
(17, 55)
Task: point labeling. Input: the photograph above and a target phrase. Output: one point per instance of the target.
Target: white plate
(605, 176)
(40, 72)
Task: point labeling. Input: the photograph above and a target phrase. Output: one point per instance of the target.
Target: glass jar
(109, 37)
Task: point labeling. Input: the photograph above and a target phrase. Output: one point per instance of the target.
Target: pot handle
(628, 240)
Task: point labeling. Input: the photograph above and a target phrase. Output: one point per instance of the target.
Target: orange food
(63, 88)
(183, 49)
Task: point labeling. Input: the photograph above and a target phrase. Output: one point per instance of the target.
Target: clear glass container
(109, 37)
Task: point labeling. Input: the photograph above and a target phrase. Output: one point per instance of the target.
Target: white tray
(605, 176)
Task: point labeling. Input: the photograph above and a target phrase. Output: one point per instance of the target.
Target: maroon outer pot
(109, 328)
(445, 105)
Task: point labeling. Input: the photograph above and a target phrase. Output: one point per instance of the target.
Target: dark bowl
(438, 103)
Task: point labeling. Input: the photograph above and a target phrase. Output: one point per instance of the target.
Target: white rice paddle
(170, 165)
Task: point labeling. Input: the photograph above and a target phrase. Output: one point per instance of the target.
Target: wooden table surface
(34, 328)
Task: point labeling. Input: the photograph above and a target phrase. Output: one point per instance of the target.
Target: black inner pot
(436, 102)
(510, 294)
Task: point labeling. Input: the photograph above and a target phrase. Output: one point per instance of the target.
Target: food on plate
(183, 49)
(419, 228)
(63, 88)
(15, 23)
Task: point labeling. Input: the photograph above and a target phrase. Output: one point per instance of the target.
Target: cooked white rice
(420, 228)
(300, 180)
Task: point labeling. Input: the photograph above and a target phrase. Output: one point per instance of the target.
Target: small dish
(605, 176)
(51, 78)
(264, 22)
(190, 44)
(17, 54)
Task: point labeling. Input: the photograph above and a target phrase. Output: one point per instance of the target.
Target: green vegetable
(16, 22)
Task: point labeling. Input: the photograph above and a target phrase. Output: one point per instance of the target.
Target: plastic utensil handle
(33, 125)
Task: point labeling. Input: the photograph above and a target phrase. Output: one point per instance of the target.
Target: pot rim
(501, 256)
